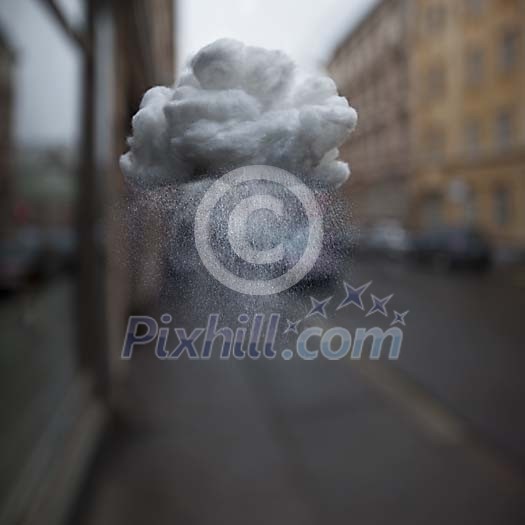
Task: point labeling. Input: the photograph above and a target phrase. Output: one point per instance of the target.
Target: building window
(435, 145)
(501, 198)
(473, 137)
(435, 82)
(475, 7)
(432, 211)
(475, 67)
(509, 50)
(436, 17)
(504, 129)
(470, 208)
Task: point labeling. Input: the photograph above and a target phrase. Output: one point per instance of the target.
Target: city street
(248, 280)
(431, 438)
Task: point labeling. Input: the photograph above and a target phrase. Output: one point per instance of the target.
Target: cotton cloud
(238, 105)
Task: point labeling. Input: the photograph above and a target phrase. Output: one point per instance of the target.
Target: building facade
(467, 75)
(371, 69)
(123, 48)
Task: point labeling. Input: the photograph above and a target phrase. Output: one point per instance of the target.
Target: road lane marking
(437, 421)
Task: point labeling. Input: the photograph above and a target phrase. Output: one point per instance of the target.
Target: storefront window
(39, 109)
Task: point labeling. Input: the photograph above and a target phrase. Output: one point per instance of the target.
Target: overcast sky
(48, 66)
(306, 29)
(46, 74)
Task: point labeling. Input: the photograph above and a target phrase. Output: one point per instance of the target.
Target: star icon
(292, 327)
(318, 307)
(379, 305)
(353, 295)
(399, 318)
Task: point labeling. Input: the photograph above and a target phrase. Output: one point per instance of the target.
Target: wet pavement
(36, 368)
(463, 343)
(434, 437)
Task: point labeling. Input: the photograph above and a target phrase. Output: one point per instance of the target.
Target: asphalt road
(463, 343)
(432, 438)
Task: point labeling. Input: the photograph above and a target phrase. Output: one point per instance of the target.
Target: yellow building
(467, 73)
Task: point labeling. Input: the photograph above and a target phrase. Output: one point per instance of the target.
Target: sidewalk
(285, 443)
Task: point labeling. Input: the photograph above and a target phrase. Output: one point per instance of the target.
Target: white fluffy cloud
(237, 105)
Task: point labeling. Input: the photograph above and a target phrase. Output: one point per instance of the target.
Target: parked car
(453, 247)
(62, 245)
(386, 238)
(17, 263)
(56, 253)
(337, 246)
(336, 249)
